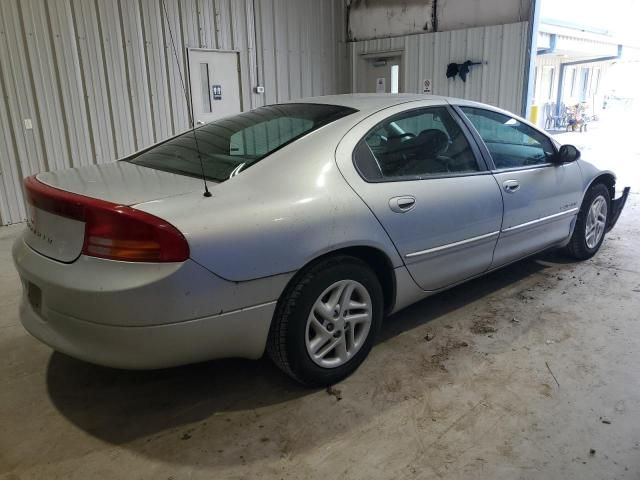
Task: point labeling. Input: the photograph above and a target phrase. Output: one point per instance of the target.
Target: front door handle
(511, 186)
(402, 204)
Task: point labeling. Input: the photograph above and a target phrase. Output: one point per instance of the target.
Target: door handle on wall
(511, 186)
(402, 204)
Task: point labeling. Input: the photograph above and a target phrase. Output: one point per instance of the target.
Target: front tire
(591, 223)
(326, 321)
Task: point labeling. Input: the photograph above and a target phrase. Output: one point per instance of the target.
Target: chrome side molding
(452, 245)
(539, 220)
(490, 235)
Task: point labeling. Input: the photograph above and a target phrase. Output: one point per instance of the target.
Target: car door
(541, 198)
(429, 188)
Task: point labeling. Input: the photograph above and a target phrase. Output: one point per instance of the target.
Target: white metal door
(215, 84)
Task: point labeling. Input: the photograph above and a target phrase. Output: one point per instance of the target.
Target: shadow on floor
(466, 293)
(126, 407)
(119, 405)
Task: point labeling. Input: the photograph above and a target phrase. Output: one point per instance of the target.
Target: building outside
(573, 65)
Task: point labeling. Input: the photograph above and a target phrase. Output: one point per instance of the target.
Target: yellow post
(533, 114)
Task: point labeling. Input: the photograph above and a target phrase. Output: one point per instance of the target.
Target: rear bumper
(142, 316)
(617, 205)
(236, 334)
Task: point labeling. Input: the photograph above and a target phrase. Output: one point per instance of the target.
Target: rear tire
(591, 224)
(310, 319)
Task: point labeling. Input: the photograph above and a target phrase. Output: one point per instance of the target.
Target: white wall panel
(116, 76)
(43, 68)
(175, 57)
(94, 79)
(499, 82)
(138, 86)
(11, 205)
(19, 85)
(99, 78)
(154, 46)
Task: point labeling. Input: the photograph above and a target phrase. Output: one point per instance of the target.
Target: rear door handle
(402, 204)
(511, 186)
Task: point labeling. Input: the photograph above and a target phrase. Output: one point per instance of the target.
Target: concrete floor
(612, 144)
(528, 370)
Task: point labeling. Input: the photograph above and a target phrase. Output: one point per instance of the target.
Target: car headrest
(433, 141)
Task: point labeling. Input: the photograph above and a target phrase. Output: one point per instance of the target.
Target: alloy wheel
(596, 221)
(338, 324)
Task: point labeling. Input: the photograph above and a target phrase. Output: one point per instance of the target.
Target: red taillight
(112, 231)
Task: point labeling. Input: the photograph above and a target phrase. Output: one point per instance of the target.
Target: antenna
(207, 193)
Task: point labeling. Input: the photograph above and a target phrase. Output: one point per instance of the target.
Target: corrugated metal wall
(426, 56)
(98, 78)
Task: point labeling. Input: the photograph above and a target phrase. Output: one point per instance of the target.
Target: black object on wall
(461, 69)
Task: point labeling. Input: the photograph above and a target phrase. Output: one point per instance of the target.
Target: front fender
(592, 174)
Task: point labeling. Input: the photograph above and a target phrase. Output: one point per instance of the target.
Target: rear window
(233, 144)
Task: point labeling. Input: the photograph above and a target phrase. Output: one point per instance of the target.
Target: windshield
(233, 144)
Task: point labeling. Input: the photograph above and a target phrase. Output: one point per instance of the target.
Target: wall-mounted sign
(427, 86)
(381, 85)
(216, 92)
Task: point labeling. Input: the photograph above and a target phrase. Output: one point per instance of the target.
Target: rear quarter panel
(278, 215)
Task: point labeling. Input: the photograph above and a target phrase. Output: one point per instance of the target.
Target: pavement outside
(529, 372)
(613, 142)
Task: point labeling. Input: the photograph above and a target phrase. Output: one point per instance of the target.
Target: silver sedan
(295, 229)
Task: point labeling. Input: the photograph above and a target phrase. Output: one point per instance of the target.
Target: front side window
(414, 145)
(512, 144)
(233, 144)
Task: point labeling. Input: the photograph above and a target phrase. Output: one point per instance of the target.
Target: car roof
(371, 101)
(367, 103)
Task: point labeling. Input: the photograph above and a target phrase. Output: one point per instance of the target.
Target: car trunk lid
(57, 218)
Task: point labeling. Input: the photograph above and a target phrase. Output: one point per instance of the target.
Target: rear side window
(231, 145)
(412, 145)
(512, 144)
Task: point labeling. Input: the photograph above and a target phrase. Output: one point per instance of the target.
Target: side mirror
(567, 153)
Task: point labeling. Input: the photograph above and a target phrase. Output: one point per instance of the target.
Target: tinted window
(233, 144)
(415, 144)
(511, 143)
(264, 137)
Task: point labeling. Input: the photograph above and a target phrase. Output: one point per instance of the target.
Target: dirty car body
(129, 265)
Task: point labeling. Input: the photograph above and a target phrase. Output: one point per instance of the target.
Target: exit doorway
(214, 78)
(380, 73)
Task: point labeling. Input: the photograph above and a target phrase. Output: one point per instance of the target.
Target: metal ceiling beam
(530, 60)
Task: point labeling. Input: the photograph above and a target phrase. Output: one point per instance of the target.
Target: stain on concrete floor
(478, 400)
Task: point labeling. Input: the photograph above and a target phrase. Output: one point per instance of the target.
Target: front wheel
(591, 223)
(326, 321)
